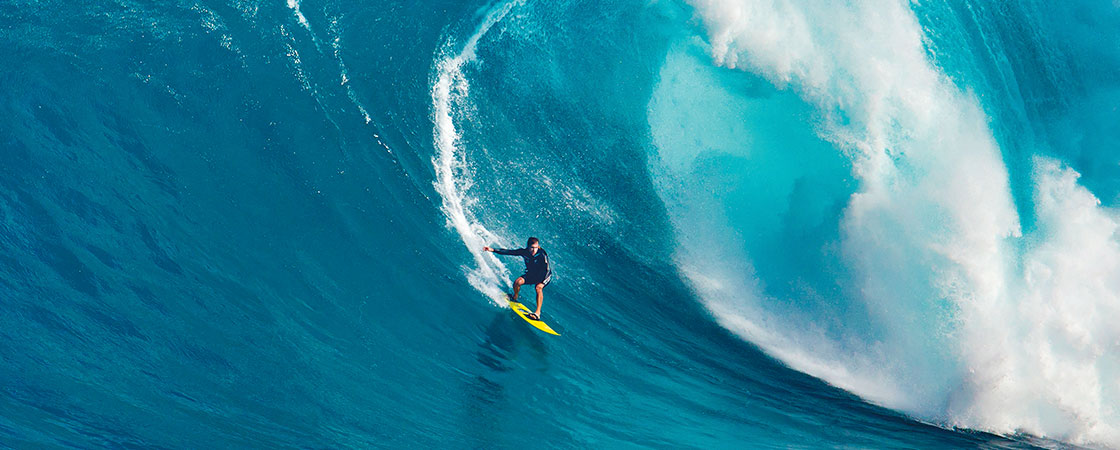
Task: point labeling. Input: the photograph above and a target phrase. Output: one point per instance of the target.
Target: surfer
(538, 272)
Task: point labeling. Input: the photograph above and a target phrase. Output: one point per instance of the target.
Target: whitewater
(773, 224)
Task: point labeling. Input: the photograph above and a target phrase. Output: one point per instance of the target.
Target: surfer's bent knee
(519, 281)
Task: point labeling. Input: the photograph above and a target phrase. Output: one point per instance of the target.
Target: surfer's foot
(533, 316)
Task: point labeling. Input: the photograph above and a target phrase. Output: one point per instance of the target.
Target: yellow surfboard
(522, 310)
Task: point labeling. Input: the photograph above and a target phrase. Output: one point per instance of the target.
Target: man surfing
(538, 272)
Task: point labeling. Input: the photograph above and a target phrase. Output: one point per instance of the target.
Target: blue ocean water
(790, 224)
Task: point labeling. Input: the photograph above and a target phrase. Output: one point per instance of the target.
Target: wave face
(940, 302)
(773, 223)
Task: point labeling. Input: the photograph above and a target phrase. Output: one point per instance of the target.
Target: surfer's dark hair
(532, 241)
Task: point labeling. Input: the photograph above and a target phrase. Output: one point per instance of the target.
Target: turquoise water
(868, 224)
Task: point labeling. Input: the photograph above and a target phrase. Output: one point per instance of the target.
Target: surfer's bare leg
(540, 298)
(517, 286)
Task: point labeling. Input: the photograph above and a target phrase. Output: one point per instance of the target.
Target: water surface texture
(773, 223)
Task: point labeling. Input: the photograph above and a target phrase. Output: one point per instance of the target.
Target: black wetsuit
(537, 268)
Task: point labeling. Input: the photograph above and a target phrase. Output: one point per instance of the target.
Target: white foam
(294, 6)
(932, 235)
(453, 179)
(1053, 365)
(344, 73)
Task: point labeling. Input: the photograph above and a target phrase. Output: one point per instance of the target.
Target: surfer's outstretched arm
(502, 251)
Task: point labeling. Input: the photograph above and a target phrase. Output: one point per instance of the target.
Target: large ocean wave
(842, 201)
(964, 319)
(875, 223)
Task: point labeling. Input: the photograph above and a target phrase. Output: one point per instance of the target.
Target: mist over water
(772, 223)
